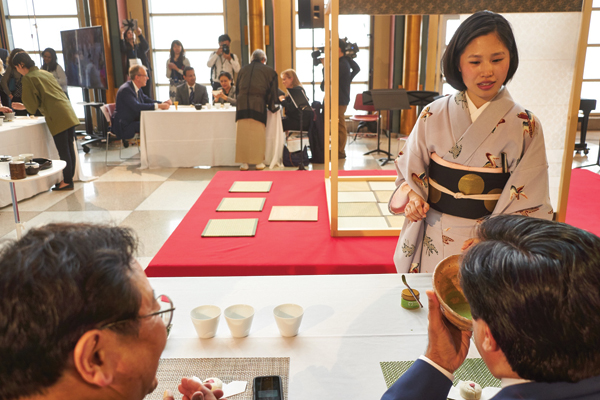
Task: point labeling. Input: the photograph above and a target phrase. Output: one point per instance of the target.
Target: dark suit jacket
(422, 381)
(128, 110)
(256, 90)
(183, 96)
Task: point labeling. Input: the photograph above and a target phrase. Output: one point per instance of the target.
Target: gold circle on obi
(491, 204)
(471, 184)
(434, 194)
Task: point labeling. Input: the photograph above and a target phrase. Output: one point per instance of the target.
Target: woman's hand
(172, 65)
(417, 207)
(138, 31)
(17, 106)
(10, 96)
(281, 98)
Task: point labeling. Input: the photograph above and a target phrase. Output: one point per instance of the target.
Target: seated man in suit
(79, 319)
(533, 286)
(191, 92)
(130, 103)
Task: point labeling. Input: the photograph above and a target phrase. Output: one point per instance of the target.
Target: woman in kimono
(470, 155)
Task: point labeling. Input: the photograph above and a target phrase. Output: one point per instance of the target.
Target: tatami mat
(358, 210)
(353, 186)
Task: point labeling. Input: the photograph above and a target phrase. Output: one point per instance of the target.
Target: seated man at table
(79, 319)
(191, 92)
(533, 289)
(130, 103)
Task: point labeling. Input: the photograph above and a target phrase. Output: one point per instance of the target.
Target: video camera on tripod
(349, 50)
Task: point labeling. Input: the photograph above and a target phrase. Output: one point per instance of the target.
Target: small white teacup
(288, 318)
(239, 319)
(206, 320)
(26, 157)
(227, 105)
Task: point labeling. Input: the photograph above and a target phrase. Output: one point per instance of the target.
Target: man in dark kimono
(256, 89)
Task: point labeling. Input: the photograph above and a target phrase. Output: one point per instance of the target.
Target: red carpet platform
(582, 208)
(279, 248)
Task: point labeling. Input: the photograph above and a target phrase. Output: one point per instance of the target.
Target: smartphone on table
(267, 388)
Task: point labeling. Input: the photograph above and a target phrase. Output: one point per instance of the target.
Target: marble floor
(153, 202)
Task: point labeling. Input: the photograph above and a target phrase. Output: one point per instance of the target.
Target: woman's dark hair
(535, 283)
(22, 58)
(125, 41)
(12, 54)
(479, 24)
(51, 67)
(56, 283)
(181, 55)
(227, 74)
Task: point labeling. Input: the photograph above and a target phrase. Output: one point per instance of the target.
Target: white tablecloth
(30, 135)
(188, 138)
(351, 323)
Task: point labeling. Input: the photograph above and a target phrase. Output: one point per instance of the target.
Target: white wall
(547, 44)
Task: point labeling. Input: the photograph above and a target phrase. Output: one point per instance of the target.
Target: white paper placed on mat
(251, 187)
(294, 213)
(242, 204)
(229, 389)
(230, 227)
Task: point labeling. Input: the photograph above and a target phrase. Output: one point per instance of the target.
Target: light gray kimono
(445, 127)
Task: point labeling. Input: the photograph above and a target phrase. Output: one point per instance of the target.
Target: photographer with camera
(348, 70)
(222, 60)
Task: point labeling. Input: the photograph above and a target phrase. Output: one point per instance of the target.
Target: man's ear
(488, 343)
(92, 358)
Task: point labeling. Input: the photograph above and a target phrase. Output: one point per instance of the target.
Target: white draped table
(351, 323)
(187, 138)
(26, 135)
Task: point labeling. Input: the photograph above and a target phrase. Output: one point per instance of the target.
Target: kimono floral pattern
(504, 127)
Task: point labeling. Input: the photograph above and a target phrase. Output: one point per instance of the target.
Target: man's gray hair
(134, 70)
(258, 55)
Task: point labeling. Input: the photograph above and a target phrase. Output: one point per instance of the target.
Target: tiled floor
(153, 202)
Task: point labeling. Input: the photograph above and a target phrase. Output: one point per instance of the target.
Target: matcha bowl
(446, 285)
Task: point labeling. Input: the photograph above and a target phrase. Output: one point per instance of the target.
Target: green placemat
(251, 187)
(473, 369)
(242, 204)
(171, 370)
(230, 227)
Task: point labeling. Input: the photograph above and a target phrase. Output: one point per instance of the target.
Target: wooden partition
(399, 7)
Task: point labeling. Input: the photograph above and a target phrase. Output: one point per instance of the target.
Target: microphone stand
(301, 167)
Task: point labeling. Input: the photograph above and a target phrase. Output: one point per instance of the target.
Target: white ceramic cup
(288, 318)
(26, 157)
(239, 319)
(208, 106)
(206, 320)
(227, 105)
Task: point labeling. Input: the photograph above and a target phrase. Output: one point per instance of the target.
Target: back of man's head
(56, 283)
(135, 70)
(259, 55)
(536, 285)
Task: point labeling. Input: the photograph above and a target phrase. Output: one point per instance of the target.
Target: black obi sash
(464, 185)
